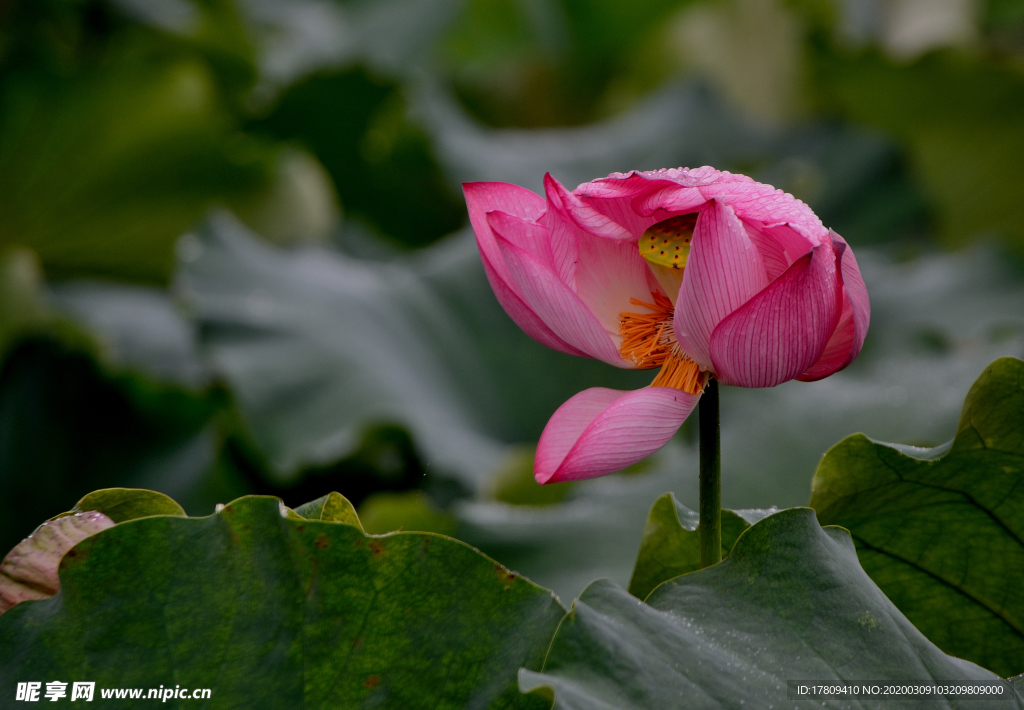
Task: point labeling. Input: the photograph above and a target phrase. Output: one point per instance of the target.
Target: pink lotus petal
(848, 338)
(638, 200)
(857, 291)
(836, 355)
(723, 272)
(782, 331)
(558, 307)
(524, 233)
(484, 197)
(600, 431)
(666, 201)
(608, 275)
(622, 186)
(773, 254)
(521, 314)
(756, 202)
(582, 215)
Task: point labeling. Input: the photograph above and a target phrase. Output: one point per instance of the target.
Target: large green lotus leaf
(790, 603)
(671, 542)
(942, 530)
(271, 611)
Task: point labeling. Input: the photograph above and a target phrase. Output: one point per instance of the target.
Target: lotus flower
(696, 273)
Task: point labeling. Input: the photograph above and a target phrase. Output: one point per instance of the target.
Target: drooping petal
(783, 330)
(484, 197)
(723, 272)
(600, 431)
(557, 306)
(848, 338)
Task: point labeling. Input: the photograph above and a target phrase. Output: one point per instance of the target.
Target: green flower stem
(710, 477)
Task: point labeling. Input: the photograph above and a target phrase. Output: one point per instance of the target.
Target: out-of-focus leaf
(21, 291)
(320, 613)
(102, 170)
(332, 507)
(387, 512)
(752, 50)
(138, 328)
(961, 119)
(594, 532)
(514, 482)
(942, 530)
(124, 504)
(382, 165)
(856, 180)
(790, 603)
(671, 542)
(67, 427)
(29, 571)
(300, 206)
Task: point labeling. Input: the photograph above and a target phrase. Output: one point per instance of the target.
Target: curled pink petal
(484, 197)
(848, 338)
(781, 332)
(557, 306)
(521, 314)
(524, 233)
(584, 216)
(723, 272)
(638, 200)
(600, 431)
(668, 200)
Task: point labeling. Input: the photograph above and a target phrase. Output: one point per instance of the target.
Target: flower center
(649, 341)
(665, 246)
(667, 243)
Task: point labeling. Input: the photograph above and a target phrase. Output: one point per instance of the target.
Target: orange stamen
(644, 338)
(682, 373)
(648, 341)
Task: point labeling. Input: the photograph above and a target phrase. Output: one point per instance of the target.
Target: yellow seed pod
(667, 243)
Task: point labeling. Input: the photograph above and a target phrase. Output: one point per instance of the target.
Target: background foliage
(234, 257)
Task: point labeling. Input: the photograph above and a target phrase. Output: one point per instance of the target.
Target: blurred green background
(234, 255)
